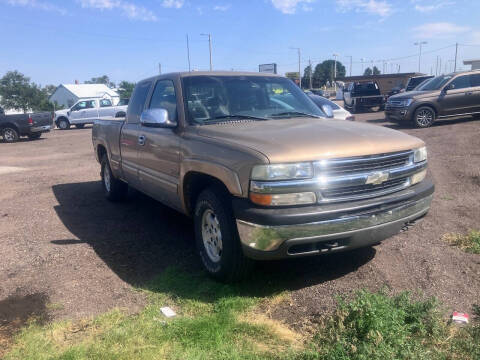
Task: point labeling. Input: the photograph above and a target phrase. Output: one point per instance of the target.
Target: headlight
(406, 102)
(282, 171)
(420, 155)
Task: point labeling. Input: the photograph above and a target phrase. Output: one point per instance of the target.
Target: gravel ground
(68, 253)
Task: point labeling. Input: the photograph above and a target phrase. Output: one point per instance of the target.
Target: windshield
(435, 83)
(229, 98)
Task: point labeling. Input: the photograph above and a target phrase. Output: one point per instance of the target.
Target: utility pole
(159, 68)
(439, 65)
(436, 66)
(311, 71)
(209, 48)
(419, 44)
(351, 61)
(456, 53)
(335, 71)
(299, 65)
(188, 54)
(362, 60)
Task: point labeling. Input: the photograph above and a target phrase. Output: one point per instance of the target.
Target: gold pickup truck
(259, 167)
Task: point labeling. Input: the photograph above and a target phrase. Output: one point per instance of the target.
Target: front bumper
(397, 113)
(331, 228)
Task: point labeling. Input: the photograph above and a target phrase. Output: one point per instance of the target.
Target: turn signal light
(261, 199)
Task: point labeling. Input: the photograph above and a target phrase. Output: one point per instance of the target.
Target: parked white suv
(86, 111)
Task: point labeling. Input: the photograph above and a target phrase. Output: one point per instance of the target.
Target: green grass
(469, 243)
(218, 321)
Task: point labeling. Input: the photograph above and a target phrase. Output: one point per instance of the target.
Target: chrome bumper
(40, 128)
(264, 239)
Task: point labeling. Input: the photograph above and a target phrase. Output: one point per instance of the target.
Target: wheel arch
(425, 104)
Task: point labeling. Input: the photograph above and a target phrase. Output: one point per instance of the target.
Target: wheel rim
(211, 235)
(106, 179)
(63, 124)
(425, 117)
(9, 134)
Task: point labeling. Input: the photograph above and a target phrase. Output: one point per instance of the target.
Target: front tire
(113, 188)
(10, 134)
(424, 117)
(216, 237)
(63, 124)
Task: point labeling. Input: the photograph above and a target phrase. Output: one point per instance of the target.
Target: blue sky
(55, 41)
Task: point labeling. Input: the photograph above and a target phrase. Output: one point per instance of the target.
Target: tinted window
(105, 103)
(137, 103)
(475, 80)
(164, 98)
(460, 82)
(434, 84)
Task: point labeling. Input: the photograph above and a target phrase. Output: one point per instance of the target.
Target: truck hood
(304, 139)
(415, 95)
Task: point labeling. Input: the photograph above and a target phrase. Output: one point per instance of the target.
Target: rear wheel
(63, 124)
(10, 134)
(217, 239)
(34, 136)
(113, 188)
(80, 126)
(424, 117)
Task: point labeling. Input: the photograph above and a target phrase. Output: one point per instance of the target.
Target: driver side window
(460, 82)
(80, 106)
(163, 97)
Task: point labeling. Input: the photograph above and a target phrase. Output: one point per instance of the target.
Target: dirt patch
(16, 311)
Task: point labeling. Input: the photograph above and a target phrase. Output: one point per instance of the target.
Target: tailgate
(42, 119)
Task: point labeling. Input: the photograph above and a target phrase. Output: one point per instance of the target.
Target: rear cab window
(137, 102)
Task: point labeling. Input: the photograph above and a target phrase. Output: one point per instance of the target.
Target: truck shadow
(140, 238)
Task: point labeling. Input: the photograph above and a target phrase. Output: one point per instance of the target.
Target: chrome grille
(363, 164)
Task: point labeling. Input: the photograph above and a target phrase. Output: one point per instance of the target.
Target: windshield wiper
(295, 113)
(236, 116)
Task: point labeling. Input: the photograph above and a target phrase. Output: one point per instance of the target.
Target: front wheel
(34, 136)
(10, 134)
(113, 188)
(424, 117)
(217, 239)
(63, 124)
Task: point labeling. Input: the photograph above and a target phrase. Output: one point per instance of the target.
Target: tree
(367, 72)
(101, 80)
(125, 89)
(376, 71)
(325, 72)
(16, 92)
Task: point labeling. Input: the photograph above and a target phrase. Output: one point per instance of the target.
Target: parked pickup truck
(263, 175)
(363, 95)
(86, 111)
(12, 127)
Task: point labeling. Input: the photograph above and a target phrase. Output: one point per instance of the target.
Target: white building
(474, 62)
(69, 94)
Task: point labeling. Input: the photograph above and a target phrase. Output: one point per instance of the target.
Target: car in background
(442, 97)
(123, 102)
(86, 111)
(338, 112)
(363, 95)
(412, 83)
(33, 125)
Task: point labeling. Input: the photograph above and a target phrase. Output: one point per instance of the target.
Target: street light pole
(419, 44)
(299, 66)
(362, 60)
(209, 48)
(335, 71)
(351, 60)
(188, 54)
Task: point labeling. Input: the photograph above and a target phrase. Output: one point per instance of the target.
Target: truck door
(77, 112)
(129, 137)
(457, 97)
(158, 157)
(106, 108)
(91, 112)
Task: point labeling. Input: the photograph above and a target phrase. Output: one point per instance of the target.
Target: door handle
(141, 140)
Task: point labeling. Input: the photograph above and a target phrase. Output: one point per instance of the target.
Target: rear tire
(10, 134)
(216, 237)
(34, 136)
(80, 126)
(63, 124)
(424, 117)
(113, 188)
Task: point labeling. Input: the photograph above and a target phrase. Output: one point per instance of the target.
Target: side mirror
(327, 109)
(156, 118)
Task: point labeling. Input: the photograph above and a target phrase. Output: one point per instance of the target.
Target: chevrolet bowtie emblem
(377, 178)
